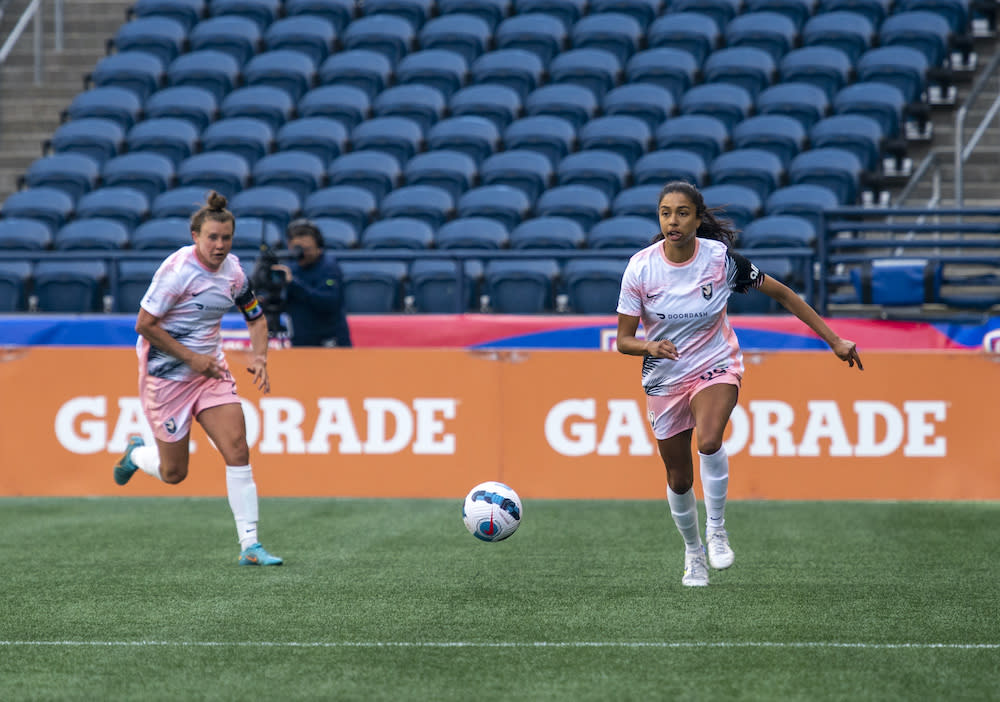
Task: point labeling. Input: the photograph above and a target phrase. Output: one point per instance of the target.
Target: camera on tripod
(269, 285)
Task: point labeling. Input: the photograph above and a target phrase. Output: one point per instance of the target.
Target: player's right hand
(664, 348)
(206, 365)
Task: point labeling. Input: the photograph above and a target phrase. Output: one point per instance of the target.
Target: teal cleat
(125, 468)
(256, 556)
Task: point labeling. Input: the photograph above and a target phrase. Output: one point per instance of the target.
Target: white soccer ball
(492, 511)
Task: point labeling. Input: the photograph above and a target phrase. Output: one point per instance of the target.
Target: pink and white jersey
(190, 300)
(686, 303)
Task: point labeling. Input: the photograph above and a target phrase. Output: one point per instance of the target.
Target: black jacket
(315, 306)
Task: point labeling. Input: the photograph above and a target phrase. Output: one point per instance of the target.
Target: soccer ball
(492, 511)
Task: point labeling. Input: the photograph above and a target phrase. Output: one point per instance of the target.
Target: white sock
(147, 459)
(684, 510)
(242, 493)
(715, 484)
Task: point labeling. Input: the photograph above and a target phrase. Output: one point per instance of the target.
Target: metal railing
(33, 14)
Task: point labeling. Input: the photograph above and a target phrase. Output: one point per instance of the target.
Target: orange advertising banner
(552, 424)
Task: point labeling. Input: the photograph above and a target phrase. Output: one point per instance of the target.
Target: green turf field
(142, 599)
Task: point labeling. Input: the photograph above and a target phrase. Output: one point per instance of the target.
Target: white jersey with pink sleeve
(686, 303)
(190, 300)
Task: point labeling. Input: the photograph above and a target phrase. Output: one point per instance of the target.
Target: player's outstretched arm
(258, 350)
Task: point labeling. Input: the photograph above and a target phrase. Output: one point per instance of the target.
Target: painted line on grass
(511, 644)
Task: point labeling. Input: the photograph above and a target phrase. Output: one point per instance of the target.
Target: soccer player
(692, 365)
(183, 374)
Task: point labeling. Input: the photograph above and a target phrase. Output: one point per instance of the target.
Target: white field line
(510, 644)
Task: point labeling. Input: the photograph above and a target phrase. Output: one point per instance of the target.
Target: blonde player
(692, 365)
(183, 373)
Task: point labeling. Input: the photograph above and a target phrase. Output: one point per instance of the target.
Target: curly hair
(712, 226)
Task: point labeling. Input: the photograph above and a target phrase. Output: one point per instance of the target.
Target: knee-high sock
(715, 484)
(684, 510)
(147, 459)
(242, 492)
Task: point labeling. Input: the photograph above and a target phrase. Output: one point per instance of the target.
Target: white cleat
(720, 554)
(695, 569)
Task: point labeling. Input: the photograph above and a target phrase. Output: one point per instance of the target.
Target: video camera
(269, 285)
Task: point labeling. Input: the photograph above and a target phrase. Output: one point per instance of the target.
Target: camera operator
(314, 290)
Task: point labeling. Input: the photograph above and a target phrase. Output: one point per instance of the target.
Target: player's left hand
(259, 370)
(847, 350)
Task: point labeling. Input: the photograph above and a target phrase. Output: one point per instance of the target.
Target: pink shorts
(671, 414)
(171, 405)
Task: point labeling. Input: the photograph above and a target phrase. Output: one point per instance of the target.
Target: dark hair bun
(216, 201)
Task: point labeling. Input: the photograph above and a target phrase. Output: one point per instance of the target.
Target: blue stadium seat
(263, 12)
(798, 11)
(399, 232)
(583, 203)
(703, 134)
(138, 71)
(181, 202)
(386, 34)
(691, 32)
(671, 68)
(497, 103)
(264, 102)
(415, 12)
(337, 233)
(134, 278)
(649, 102)
(527, 170)
(772, 32)
(802, 101)
(439, 68)
(365, 69)
(298, 171)
(492, 11)
(398, 136)
(375, 171)
(955, 12)
(424, 104)
(925, 31)
(187, 12)
(748, 67)
(147, 172)
(503, 203)
(721, 11)
(287, 69)
(850, 32)
(574, 103)
(240, 37)
(856, 133)
(349, 203)
(783, 136)
(313, 36)
(566, 11)
(465, 34)
(323, 137)
(665, 165)
(807, 201)
(212, 70)
(92, 233)
(223, 171)
(259, 231)
(823, 66)
(637, 201)
(880, 101)
(475, 136)
(247, 137)
(195, 105)
(521, 286)
(14, 277)
(472, 232)
(628, 136)
(739, 204)
(338, 12)
(74, 174)
(518, 69)
(729, 103)
(623, 231)
(596, 69)
(605, 170)
(121, 203)
(644, 11)
(167, 136)
(452, 171)
(425, 202)
(875, 10)
(69, 286)
(271, 202)
(48, 205)
(899, 65)
(773, 231)
(831, 167)
(347, 104)
(593, 284)
(434, 285)
(162, 233)
(24, 234)
(547, 232)
(541, 34)
(553, 137)
(618, 33)
(100, 139)
(120, 105)
(373, 286)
